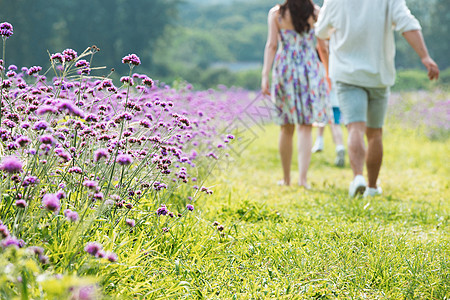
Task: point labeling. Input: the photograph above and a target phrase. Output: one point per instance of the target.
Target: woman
(299, 89)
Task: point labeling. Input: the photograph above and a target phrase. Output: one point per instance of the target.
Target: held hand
(329, 84)
(265, 86)
(432, 67)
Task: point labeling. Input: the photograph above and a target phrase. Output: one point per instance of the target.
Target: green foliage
(121, 27)
(410, 80)
(413, 80)
(239, 31)
(250, 79)
(444, 78)
(184, 47)
(22, 277)
(252, 239)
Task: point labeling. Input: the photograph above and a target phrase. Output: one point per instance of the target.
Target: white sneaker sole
(359, 191)
(340, 159)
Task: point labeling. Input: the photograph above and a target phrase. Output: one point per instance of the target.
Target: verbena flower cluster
(422, 110)
(79, 149)
(6, 30)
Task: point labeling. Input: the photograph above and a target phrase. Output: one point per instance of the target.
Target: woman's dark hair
(300, 11)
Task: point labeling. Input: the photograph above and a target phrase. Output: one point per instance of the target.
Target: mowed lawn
(291, 243)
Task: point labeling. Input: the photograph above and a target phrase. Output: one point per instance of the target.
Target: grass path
(289, 243)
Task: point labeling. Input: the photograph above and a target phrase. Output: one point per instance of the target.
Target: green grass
(289, 243)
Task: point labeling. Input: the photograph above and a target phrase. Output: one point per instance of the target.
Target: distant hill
(227, 2)
(210, 2)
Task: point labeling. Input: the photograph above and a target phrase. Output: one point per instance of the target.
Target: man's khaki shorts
(363, 104)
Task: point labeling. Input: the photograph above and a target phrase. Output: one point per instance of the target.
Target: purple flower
(4, 232)
(211, 154)
(98, 196)
(130, 222)
(34, 70)
(12, 146)
(91, 184)
(127, 80)
(6, 84)
(25, 125)
(75, 170)
(58, 57)
(51, 202)
(64, 155)
(71, 215)
(93, 248)
(47, 139)
(87, 293)
(100, 153)
(162, 211)
(11, 241)
(21, 203)
(82, 63)
(29, 180)
(11, 165)
(131, 59)
(190, 207)
(43, 259)
(124, 159)
(60, 195)
(40, 125)
(91, 118)
(6, 29)
(69, 55)
(70, 108)
(46, 109)
(36, 250)
(23, 141)
(147, 81)
(112, 257)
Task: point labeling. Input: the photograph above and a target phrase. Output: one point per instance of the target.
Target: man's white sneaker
(370, 192)
(340, 158)
(357, 186)
(318, 146)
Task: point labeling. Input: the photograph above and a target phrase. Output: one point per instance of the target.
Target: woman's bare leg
(304, 152)
(285, 148)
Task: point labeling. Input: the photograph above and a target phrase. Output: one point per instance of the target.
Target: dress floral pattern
(299, 88)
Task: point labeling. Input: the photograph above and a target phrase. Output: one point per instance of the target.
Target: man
(362, 52)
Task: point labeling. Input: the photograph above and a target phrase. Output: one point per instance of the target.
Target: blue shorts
(337, 115)
(363, 104)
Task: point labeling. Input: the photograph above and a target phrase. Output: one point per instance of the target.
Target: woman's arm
(270, 49)
(323, 49)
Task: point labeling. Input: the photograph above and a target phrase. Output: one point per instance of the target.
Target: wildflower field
(138, 190)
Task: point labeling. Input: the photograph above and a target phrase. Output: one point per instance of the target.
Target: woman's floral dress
(299, 88)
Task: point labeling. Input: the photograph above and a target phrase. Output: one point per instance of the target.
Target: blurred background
(204, 42)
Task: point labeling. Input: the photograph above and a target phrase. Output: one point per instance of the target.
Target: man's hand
(432, 67)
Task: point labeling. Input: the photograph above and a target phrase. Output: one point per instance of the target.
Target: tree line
(177, 39)
(117, 27)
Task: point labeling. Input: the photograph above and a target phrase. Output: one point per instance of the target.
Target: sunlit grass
(286, 242)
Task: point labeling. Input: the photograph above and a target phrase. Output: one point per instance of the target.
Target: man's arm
(415, 39)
